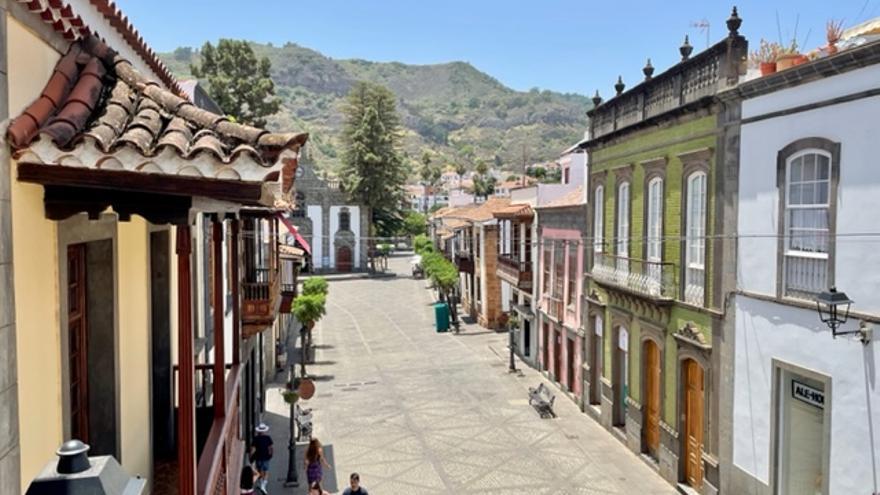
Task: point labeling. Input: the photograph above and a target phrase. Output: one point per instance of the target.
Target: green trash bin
(441, 315)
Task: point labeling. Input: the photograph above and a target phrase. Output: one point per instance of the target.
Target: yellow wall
(34, 250)
(133, 319)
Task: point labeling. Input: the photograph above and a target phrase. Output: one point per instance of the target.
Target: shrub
(315, 285)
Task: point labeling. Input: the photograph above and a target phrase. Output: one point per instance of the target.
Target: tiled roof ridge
(574, 197)
(70, 97)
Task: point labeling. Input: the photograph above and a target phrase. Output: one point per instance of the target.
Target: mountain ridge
(453, 109)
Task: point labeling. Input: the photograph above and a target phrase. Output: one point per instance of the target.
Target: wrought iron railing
(651, 278)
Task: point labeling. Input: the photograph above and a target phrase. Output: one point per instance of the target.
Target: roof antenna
(703, 25)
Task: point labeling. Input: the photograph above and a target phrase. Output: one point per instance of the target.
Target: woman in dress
(315, 462)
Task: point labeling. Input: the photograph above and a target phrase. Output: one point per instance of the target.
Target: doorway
(343, 259)
(571, 365)
(557, 356)
(620, 378)
(596, 349)
(692, 374)
(545, 350)
(800, 423)
(651, 430)
(527, 338)
(91, 349)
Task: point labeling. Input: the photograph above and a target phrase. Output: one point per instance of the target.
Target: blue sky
(563, 45)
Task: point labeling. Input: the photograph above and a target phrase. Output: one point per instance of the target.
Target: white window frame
(599, 219)
(696, 206)
(654, 233)
(623, 198)
(812, 260)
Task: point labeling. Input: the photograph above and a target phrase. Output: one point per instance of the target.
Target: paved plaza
(417, 412)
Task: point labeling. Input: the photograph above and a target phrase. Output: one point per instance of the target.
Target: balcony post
(219, 381)
(235, 281)
(186, 449)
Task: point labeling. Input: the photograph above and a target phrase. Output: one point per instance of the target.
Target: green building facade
(655, 285)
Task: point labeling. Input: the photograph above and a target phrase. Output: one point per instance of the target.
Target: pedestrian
(261, 454)
(355, 488)
(315, 462)
(315, 489)
(247, 480)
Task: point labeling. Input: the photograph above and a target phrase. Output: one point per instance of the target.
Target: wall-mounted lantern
(76, 472)
(833, 308)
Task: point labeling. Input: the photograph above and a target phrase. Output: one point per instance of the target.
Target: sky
(562, 45)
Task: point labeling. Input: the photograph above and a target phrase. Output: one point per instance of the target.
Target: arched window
(344, 219)
(654, 231)
(599, 219)
(695, 242)
(622, 250)
(299, 207)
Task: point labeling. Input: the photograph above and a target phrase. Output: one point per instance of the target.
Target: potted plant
(765, 57)
(789, 56)
(833, 33)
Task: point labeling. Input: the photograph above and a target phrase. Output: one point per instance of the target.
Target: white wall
(767, 331)
(314, 214)
(847, 123)
(334, 227)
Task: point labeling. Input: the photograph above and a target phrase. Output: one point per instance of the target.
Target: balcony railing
(465, 262)
(555, 308)
(260, 298)
(219, 466)
(654, 279)
(517, 273)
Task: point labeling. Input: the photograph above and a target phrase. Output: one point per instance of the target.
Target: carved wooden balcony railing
(515, 272)
(653, 279)
(219, 467)
(464, 261)
(260, 298)
(707, 73)
(288, 282)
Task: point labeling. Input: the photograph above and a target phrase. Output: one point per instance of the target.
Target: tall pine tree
(372, 169)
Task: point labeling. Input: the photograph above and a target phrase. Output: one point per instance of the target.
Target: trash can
(441, 314)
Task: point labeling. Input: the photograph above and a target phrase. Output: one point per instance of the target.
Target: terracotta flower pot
(768, 68)
(832, 48)
(786, 61)
(802, 59)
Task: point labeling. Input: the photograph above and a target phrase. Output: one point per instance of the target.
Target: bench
(542, 400)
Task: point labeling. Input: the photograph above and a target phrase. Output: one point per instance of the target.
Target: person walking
(315, 489)
(261, 453)
(315, 462)
(246, 484)
(355, 488)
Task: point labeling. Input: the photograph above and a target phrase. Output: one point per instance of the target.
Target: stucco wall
(35, 254)
(767, 331)
(133, 283)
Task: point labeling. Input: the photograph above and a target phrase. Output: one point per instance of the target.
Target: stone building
(335, 227)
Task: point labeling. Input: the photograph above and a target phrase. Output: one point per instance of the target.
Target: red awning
(292, 229)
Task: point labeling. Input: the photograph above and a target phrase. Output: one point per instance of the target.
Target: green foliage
(414, 223)
(443, 274)
(484, 185)
(372, 168)
(315, 285)
(309, 308)
(422, 244)
(240, 83)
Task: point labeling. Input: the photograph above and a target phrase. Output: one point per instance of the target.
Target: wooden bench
(542, 400)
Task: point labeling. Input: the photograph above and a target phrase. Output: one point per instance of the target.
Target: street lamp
(833, 308)
(292, 396)
(512, 323)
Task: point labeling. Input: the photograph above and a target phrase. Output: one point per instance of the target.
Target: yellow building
(122, 209)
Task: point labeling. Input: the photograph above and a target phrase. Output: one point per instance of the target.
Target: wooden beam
(219, 354)
(235, 280)
(186, 447)
(247, 193)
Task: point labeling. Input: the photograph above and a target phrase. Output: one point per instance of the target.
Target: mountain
(446, 108)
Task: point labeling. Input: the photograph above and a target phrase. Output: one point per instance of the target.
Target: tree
(484, 185)
(315, 285)
(239, 82)
(444, 277)
(308, 309)
(460, 169)
(415, 223)
(372, 168)
(430, 173)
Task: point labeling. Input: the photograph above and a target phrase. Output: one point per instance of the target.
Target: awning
(292, 229)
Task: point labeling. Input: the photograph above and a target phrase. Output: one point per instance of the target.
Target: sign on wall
(808, 394)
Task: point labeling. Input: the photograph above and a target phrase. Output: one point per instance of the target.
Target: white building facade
(806, 406)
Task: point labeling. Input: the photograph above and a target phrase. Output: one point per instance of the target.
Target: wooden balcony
(515, 272)
(219, 466)
(289, 272)
(555, 308)
(651, 279)
(260, 300)
(465, 262)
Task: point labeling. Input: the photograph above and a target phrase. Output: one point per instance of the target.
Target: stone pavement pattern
(417, 412)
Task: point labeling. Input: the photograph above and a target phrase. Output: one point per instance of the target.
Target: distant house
(197, 94)
(333, 225)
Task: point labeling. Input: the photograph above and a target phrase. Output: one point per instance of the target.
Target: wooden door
(571, 365)
(595, 368)
(652, 398)
(343, 259)
(545, 351)
(557, 356)
(693, 375)
(78, 339)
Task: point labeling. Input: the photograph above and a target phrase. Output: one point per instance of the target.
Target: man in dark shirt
(261, 453)
(355, 488)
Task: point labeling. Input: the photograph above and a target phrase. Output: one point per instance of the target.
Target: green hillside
(444, 107)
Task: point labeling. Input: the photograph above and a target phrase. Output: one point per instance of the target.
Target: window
(695, 243)
(546, 269)
(807, 223)
(572, 274)
(654, 231)
(599, 219)
(622, 251)
(344, 219)
(559, 273)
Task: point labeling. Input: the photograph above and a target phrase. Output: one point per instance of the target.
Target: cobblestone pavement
(417, 412)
